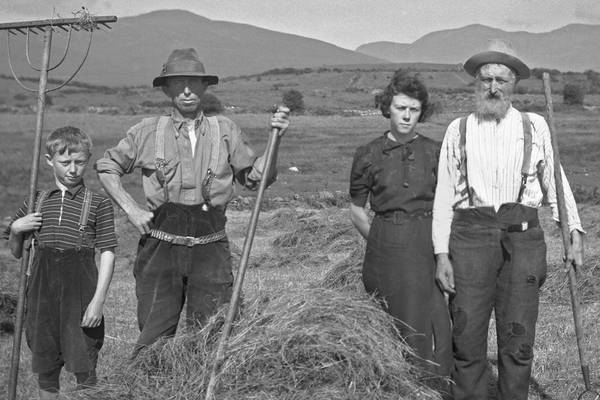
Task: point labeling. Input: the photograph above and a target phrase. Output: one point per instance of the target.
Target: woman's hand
(360, 219)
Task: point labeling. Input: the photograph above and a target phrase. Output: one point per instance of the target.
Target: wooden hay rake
(83, 21)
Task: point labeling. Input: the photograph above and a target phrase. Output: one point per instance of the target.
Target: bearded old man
(188, 162)
(495, 168)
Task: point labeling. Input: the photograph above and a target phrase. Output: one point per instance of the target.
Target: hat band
(183, 66)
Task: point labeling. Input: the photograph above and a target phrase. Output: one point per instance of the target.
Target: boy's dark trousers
(167, 274)
(63, 282)
(496, 267)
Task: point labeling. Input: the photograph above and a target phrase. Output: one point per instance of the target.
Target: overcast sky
(346, 23)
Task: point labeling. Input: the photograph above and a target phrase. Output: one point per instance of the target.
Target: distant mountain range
(132, 53)
(574, 47)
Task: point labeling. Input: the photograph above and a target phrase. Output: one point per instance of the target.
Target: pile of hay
(310, 238)
(346, 274)
(313, 343)
(323, 340)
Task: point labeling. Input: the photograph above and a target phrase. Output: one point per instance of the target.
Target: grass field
(321, 148)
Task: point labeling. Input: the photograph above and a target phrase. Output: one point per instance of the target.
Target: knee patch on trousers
(459, 320)
(518, 346)
(522, 355)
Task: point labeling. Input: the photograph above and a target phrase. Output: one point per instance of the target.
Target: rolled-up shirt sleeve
(360, 178)
(243, 160)
(443, 204)
(549, 184)
(122, 158)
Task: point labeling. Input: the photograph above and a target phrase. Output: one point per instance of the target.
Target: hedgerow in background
(294, 100)
(210, 104)
(573, 94)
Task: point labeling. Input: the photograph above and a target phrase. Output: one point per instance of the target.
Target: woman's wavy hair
(406, 84)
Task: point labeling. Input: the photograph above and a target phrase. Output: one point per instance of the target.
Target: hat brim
(160, 80)
(497, 57)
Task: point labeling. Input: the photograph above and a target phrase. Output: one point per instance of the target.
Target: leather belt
(523, 226)
(397, 216)
(188, 241)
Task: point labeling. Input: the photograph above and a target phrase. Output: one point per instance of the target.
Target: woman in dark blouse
(396, 172)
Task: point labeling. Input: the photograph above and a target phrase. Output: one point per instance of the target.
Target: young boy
(64, 324)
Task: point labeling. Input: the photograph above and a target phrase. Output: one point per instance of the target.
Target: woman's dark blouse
(397, 176)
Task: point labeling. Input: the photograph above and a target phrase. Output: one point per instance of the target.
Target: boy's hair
(68, 139)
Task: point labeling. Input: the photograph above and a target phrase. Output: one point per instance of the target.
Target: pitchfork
(588, 393)
(86, 22)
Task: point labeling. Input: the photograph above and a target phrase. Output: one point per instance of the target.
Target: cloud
(518, 22)
(588, 11)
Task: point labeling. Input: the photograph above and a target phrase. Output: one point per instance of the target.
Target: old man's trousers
(499, 261)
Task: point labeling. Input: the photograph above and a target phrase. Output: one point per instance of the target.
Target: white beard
(490, 109)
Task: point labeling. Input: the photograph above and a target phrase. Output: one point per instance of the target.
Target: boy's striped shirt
(60, 219)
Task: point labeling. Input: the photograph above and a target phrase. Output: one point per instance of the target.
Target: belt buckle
(189, 241)
(524, 226)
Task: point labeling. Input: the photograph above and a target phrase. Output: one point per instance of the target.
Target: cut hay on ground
(346, 273)
(309, 237)
(556, 287)
(313, 343)
(8, 308)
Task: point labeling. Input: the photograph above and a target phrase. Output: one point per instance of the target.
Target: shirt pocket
(161, 174)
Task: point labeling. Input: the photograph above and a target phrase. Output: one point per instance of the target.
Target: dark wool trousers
(399, 268)
(167, 274)
(63, 283)
(502, 271)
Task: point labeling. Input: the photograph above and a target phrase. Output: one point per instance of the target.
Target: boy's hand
(28, 223)
(93, 315)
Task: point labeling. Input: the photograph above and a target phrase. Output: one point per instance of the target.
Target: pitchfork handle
(272, 145)
(16, 348)
(566, 235)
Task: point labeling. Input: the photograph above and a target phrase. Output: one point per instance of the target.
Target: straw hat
(498, 52)
(184, 62)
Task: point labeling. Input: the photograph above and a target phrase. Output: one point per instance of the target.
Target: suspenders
(161, 162)
(83, 219)
(40, 200)
(83, 215)
(36, 236)
(527, 140)
(159, 152)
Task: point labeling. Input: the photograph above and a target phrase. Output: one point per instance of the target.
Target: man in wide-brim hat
(188, 162)
(495, 167)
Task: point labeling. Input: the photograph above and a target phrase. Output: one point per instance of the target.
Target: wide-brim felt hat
(498, 52)
(184, 62)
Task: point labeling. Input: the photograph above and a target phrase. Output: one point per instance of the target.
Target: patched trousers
(168, 274)
(499, 261)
